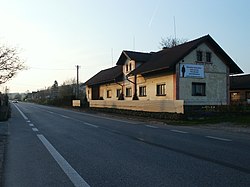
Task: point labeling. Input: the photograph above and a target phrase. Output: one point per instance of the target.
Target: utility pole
(77, 82)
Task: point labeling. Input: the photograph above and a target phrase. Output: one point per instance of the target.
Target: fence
(171, 106)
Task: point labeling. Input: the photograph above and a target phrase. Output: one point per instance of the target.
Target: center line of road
(31, 125)
(178, 131)
(65, 116)
(151, 126)
(217, 138)
(89, 124)
(75, 178)
(35, 129)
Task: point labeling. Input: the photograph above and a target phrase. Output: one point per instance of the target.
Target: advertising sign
(191, 71)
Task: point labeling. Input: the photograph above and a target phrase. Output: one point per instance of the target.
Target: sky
(53, 36)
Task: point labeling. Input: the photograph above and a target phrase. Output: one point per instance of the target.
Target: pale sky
(56, 35)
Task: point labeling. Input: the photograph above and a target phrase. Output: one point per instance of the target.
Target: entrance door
(95, 92)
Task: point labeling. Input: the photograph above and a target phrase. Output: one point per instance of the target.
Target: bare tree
(10, 63)
(170, 42)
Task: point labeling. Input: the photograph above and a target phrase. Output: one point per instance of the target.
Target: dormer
(130, 60)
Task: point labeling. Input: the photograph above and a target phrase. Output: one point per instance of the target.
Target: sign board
(191, 71)
(76, 103)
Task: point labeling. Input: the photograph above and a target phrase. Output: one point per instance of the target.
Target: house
(240, 89)
(194, 73)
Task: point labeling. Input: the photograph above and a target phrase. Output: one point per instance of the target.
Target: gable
(133, 55)
(166, 59)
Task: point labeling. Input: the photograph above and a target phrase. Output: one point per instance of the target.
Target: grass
(237, 119)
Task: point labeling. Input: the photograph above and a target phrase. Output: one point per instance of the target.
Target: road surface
(50, 146)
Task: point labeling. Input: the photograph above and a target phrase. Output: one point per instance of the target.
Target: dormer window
(126, 67)
(199, 56)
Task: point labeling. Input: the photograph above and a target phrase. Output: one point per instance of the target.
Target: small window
(208, 56)
(199, 56)
(235, 96)
(128, 92)
(142, 91)
(130, 67)
(161, 89)
(198, 89)
(118, 92)
(126, 67)
(109, 93)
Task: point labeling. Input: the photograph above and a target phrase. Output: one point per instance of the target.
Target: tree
(10, 63)
(54, 90)
(18, 97)
(170, 42)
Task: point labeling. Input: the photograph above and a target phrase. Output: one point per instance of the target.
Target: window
(126, 67)
(109, 93)
(235, 96)
(208, 56)
(128, 92)
(247, 95)
(118, 92)
(130, 67)
(199, 56)
(160, 89)
(142, 91)
(198, 89)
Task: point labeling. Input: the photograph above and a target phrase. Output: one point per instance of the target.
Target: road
(50, 146)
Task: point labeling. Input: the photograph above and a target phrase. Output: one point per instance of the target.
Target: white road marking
(31, 125)
(218, 138)
(50, 112)
(76, 179)
(28, 121)
(89, 124)
(151, 126)
(35, 129)
(178, 131)
(140, 139)
(25, 117)
(65, 116)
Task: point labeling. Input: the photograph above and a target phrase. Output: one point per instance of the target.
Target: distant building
(240, 89)
(196, 73)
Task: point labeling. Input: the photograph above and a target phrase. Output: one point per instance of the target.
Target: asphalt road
(50, 146)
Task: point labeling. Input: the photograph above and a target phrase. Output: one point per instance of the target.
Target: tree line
(58, 95)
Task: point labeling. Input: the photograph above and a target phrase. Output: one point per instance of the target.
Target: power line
(56, 69)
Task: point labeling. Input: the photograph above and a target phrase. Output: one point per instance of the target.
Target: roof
(105, 76)
(240, 82)
(168, 58)
(133, 55)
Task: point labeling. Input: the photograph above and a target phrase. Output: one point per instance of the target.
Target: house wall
(215, 79)
(152, 82)
(149, 82)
